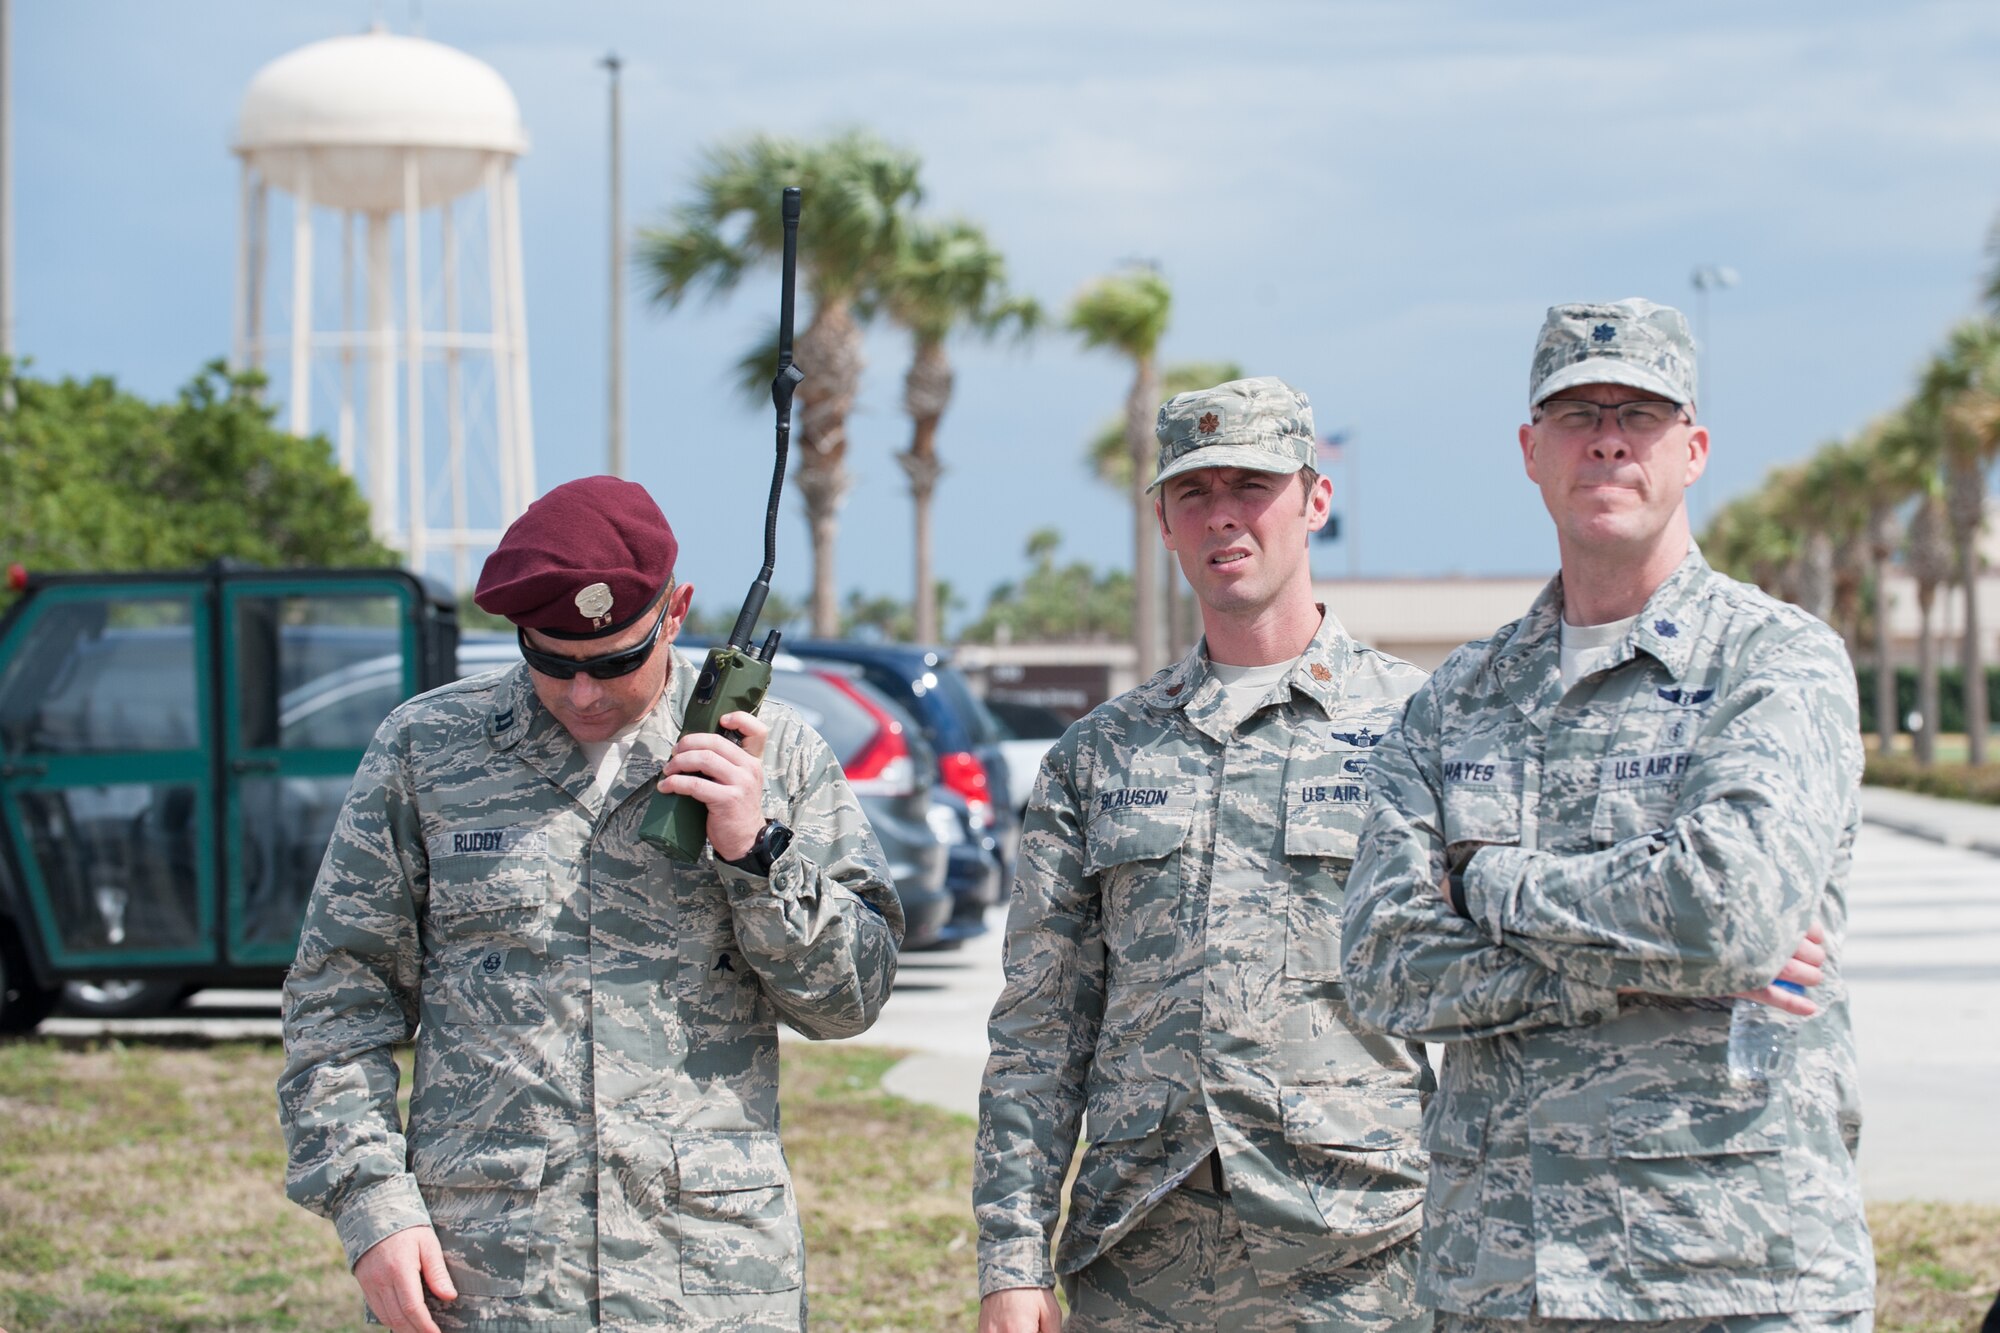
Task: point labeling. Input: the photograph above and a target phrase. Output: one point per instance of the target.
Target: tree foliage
(1056, 602)
(94, 477)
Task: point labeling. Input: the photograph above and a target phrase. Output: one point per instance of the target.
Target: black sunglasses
(608, 667)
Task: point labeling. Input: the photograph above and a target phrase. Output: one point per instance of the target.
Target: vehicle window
(1028, 722)
(979, 724)
(119, 863)
(316, 672)
(934, 713)
(842, 723)
(104, 675)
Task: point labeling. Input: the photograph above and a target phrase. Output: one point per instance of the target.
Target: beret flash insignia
(594, 601)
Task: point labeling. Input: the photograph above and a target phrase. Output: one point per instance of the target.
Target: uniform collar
(1191, 684)
(519, 722)
(1530, 665)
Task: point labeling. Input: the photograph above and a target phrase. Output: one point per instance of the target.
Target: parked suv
(954, 720)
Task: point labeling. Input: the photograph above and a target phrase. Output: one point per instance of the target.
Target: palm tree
(1894, 470)
(1928, 555)
(857, 190)
(948, 276)
(1128, 312)
(1963, 387)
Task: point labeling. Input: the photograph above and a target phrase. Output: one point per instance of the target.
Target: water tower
(380, 170)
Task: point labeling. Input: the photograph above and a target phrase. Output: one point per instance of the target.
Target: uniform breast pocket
(488, 937)
(1323, 822)
(1637, 793)
(1482, 798)
(1136, 852)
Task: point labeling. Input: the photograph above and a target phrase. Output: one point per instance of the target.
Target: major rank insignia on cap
(593, 603)
(1208, 424)
(1603, 333)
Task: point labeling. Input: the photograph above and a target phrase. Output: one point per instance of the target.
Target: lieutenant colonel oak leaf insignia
(1603, 333)
(1208, 424)
(1666, 629)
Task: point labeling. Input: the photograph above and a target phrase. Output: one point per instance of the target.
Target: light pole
(1706, 278)
(615, 389)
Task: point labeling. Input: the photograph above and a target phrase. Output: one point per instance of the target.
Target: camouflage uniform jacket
(593, 1114)
(1670, 826)
(1173, 967)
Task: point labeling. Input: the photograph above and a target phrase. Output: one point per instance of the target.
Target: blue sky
(1375, 200)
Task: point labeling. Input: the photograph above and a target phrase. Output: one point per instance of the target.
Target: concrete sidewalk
(1966, 824)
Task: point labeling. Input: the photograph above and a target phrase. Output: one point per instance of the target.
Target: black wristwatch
(771, 842)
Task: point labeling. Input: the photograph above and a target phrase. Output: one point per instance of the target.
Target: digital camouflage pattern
(1185, 1266)
(1670, 826)
(1173, 967)
(1633, 342)
(1854, 1321)
(1261, 423)
(593, 1124)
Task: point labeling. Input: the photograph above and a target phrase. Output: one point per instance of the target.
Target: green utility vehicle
(174, 749)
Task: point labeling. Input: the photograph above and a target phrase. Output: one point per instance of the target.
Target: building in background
(379, 281)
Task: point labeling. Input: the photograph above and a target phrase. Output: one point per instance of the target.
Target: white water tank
(394, 157)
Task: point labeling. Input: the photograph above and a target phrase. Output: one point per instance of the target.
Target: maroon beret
(584, 561)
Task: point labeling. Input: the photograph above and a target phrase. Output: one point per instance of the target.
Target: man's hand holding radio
(726, 777)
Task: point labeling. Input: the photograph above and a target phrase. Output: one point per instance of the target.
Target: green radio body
(731, 681)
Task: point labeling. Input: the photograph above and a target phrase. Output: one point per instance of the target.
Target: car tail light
(17, 577)
(882, 766)
(964, 774)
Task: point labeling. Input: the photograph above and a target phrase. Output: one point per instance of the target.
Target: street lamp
(1706, 278)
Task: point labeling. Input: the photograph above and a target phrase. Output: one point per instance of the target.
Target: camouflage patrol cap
(1263, 423)
(1633, 342)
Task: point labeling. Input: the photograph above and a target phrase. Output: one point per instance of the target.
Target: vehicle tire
(122, 998)
(23, 1004)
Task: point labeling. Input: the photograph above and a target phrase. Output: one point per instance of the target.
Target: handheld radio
(733, 678)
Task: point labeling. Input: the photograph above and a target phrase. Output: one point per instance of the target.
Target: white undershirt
(1244, 687)
(607, 757)
(1589, 648)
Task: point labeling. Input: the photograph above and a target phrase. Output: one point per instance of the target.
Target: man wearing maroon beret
(592, 1132)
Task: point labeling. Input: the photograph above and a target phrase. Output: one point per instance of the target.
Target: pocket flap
(509, 891)
(1456, 1125)
(1123, 1111)
(715, 1163)
(1363, 1119)
(1325, 827)
(1123, 834)
(470, 1161)
(1745, 1120)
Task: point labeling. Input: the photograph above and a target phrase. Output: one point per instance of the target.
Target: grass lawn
(140, 1190)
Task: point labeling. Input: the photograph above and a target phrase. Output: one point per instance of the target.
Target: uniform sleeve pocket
(1702, 1183)
(483, 1192)
(1135, 850)
(739, 1230)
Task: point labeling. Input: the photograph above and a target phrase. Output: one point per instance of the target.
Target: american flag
(1329, 449)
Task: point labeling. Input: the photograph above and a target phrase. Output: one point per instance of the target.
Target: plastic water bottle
(1762, 1040)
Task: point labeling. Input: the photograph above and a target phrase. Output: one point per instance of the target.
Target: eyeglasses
(608, 667)
(1639, 420)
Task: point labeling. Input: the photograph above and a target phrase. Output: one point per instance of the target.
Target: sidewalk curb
(1916, 828)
